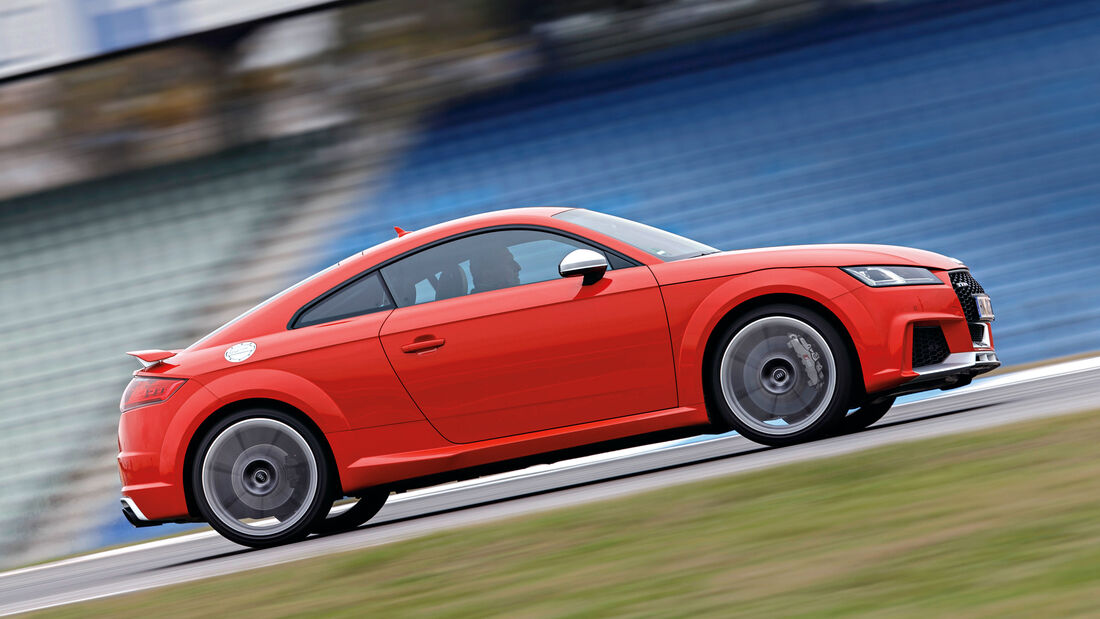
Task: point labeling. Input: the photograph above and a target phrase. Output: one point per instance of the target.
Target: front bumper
(957, 370)
(972, 363)
(958, 365)
(917, 338)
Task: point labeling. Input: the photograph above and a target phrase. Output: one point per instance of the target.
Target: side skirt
(472, 460)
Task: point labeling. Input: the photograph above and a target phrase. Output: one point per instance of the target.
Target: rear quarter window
(364, 295)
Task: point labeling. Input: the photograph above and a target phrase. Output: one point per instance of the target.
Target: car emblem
(962, 285)
(239, 352)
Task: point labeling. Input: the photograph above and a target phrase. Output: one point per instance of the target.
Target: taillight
(144, 390)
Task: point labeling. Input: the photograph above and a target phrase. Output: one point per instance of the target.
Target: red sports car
(500, 340)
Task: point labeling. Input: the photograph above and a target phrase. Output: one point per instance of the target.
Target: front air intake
(929, 346)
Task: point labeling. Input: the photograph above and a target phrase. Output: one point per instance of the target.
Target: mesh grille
(977, 332)
(929, 346)
(965, 288)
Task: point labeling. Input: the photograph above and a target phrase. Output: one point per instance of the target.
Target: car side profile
(496, 341)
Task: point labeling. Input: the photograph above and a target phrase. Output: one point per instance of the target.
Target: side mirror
(585, 263)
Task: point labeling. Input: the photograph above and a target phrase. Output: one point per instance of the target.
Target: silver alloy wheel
(778, 375)
(259, 477)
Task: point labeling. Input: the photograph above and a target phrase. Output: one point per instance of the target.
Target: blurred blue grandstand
(973, 134)
(965, 128)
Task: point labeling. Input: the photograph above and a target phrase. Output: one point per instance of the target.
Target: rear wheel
(363, 510)
(781, 375)
(865, 415)
(261, 479)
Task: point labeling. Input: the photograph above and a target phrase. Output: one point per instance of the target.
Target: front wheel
(781, 375)
(260, 478)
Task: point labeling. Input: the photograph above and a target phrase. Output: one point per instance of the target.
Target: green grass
(1001, 523)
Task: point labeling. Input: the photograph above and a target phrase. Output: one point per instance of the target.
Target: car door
(490, 341)
(333, 343)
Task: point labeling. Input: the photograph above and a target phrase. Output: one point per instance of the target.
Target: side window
(538, 258)
(362, 296)
(479, 263)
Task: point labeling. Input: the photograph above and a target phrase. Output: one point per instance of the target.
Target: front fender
(696, 308)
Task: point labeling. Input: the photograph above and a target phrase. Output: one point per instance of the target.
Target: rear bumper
(134, 515)
(151, 441)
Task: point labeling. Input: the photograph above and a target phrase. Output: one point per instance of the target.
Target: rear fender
(292, 389)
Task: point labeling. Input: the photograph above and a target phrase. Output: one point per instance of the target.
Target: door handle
(423, 345)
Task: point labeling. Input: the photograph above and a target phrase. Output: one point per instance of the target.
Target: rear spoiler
(149, 358)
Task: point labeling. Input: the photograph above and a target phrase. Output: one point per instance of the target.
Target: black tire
(261, 478)
(780, 375)
(864, 416)
(364, 509)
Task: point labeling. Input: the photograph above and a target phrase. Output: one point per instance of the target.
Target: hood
(794, 256)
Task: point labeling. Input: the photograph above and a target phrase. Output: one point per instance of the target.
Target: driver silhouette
(494, 268)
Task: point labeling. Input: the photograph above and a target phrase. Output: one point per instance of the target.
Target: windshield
(654, 241)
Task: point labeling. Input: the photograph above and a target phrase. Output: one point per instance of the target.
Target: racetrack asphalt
(1032, 394)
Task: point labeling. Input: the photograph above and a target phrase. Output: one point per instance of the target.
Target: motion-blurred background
(165, 164)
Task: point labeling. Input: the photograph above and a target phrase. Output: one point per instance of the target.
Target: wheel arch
(245, 404)
(764, 300)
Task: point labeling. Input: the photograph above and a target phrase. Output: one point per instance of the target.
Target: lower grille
(965, 288)
(929, 346)
(977, 332)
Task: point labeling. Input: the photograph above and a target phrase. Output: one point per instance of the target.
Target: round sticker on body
(239, 352)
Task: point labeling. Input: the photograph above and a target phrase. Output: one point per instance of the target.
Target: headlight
(892, 276)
